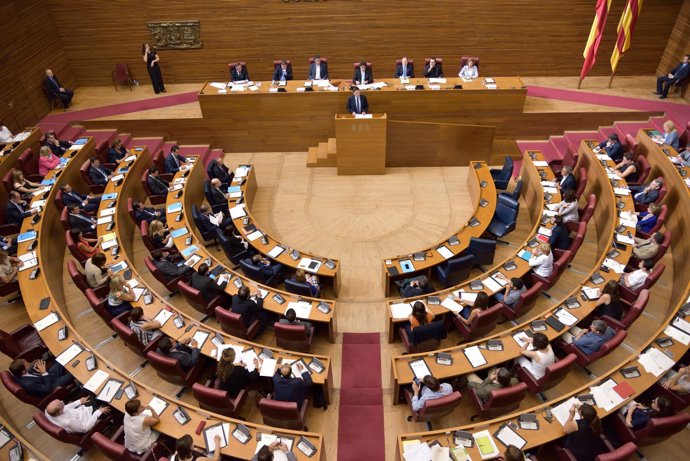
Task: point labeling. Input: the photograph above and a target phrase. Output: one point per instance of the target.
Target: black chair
(298, 288)
(483, 250)
(214, 208)
(505, 218)
(455, 270)
(254, 272)
(232, 254)
(502, 177)
(210, 236)
(515, 195)
(424, 338)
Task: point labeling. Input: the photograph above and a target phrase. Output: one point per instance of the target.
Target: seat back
(170, 283)
(77, 277)
(231, 323)
(556, 372)
(8, 345)
(111, 449)
(507, 169)
(145, 236)
(193, 297)
(663, 247)
(659, 429)
(299, 288)
(28, 162)
(78, 255)
(645, 169)
(507, 209)
(579, 238)
(662, 192)
(130, 209)
(231, 67)
(456, 269)
(130, 338)
(215, 400)
(636, 309)
(167, 368)
(609, 345)
(631, 143)
(98, 305)
(526, 302)
(581, 181)
(622, 453)
(655, 275)
(276, 63)
(58, 433)
(7, 180)
(57, 200)
(252, 271)
(19, 392)
(483, 250)
(515, 195)
(438, 408)
(227, 249)
(587, 213)
(484, 322)
(280, 414)
(158, 159)
(357, 63)
(426, 337)
(503, 401)
(64, 219)
(464, 59)
(292, 337)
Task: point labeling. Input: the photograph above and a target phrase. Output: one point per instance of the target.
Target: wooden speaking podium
(361, 144)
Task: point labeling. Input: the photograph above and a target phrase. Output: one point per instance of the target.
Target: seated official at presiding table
(318, 70)
(174, 160)
(16, 211)
(53, 87)
(77, 417)
(56, 146)
(282, 72)
(47, 160)
(88, 203)
(357, 103)
(404, 69)
(217, 170)
(648, 248)
(363, 74)
(99, 174)
(612, 147)
(39, 380)
(678, 73)
(239, 73)
(158, 185)
(433, 69)
(469, 70)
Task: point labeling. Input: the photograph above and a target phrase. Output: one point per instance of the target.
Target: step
(560, 145)
(326, 161)
(71, 133)
(323, 149)
(153, 144)
(312, 157)
(331, 147)
(125, 138)
(631, 128)
(606, 131)
(544, 146)
(103, 138)
(57, 127)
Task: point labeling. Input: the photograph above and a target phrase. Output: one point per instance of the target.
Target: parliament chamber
(344, 230)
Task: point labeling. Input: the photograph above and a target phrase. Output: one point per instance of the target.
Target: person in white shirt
(469, 70)
(541, 260)
(634, 280)
(567, 208)
(75, 417)
(538, 357)
(5, 134)
(139, 436)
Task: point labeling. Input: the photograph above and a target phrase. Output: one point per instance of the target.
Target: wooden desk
(49, 284)
(598, 183)
(361, 144)
(483, 193)
(9, 156)
(192, 194)
(16, 439)
(248, 188)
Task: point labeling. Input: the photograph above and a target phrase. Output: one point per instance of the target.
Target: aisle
(360, 421)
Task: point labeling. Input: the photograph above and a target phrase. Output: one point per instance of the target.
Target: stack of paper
(656, 362)
(605, 396)
(486, 445)
(491, 284)
(677, 334)
(450, 304)
(96, 380)
(401, 310)
(620, 238)
(420, 452)
(474, 356)
(614, 265)
(47, 321)
(238, 211)
(565, 317)
(302, 309)
(562, 411)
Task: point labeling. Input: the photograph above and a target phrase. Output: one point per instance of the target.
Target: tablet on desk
(178, 232)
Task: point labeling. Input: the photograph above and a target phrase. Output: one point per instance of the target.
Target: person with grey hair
(644, 195)
(590, 340)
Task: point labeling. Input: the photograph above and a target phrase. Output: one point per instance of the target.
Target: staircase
(322, 155)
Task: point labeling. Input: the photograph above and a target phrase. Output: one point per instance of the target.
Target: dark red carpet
(360, 420)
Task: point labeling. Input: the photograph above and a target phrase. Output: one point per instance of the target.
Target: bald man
(55, 89)
(75, 417)
(287, 389)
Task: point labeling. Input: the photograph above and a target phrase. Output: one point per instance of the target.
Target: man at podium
(357, 103)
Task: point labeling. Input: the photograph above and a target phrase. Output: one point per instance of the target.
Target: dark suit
(116, 154)
(206, 226)
(75, 198)
(249, 309)
(291, 389)
(568, 183)
(615, 151)
(644, 198)
(238, 77)
(216, 197)
(435, 72)
(172, 164)
(220, 172)
(42, 385)
(679, 72)
(58, 150)
(278, 73)
(99, 175)
(409, 70)
(208, 287)
(185, 356)
(53, 85)
(81, 222)
(368, 77)
(148, 215)
(352, 105)
(15, 213)
(560, 238)
(171, 269)
(158, 185)
(323, 71)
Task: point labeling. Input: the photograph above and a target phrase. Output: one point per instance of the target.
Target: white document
(604, 395)
(621, 238)
(106, 220)
(544, 231)
(238, 211)
(491, 284)
(216, 218)
(565, 317)
(449, 304)
(420, 452)
(549, 213)
(509, 437)
(614, 265)
(445, 252)
(562, 411)
(439, 453)
(257, 234)
(248, 358)
(364, 116)
(466, 297)
(50, 319)
(548, 183)
(213, 431)
(434, 87)
(540, 163)
(130, 158)
(96, 380)
(37, 203)
(485, 436)
(117, 177)
(552, 206)
(302, 309)
(627, 223)
(521, 338)
(621, 191)
(200, 337)
(420, 369)
(682, 325)
(475, 357)
(268, 367)
(109, 390)
(678, 335)
(242, 171)
(137, 292)
(401, 310)
(410, 87)
(220, 86)
(159, 405)
(309, 265)
(656, 362)
(107, 212)
(109, 244)
(550, 190)
(68, 354)
(437, 80)
(275, 251)
(591, 293)
(163, 316)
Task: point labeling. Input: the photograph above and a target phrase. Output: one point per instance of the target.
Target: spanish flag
(626, 27)
(595, 35)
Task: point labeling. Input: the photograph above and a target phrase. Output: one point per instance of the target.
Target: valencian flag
(626, 27)
(595, 35)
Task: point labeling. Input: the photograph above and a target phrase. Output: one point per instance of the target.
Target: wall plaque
(178, 35)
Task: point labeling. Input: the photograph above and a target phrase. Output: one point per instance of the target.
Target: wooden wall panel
(29, 44)
(532, 37)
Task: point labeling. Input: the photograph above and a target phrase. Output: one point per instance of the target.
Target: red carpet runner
(360, 421)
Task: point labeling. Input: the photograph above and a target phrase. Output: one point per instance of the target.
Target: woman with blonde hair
(46, 160)
(671, 137)
(120, 296)
(541, 260)
(9, 268)
(160, 237)
(21, 185)
(233, 377)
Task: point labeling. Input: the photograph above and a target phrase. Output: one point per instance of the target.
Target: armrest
(528, 379)
(24, 330)
(8, 229)
(402, 332)
(238, 402)
(624, 432)
(253, 329)
(303, 411)
(119, 435)
(479, 405)
(152, 345)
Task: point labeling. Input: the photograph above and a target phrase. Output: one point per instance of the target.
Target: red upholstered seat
(219, 401)
(22, 343)
(293, 337)
(555, 373)
(58, 433)
(285, 415)
(233, 324)
(501, 401)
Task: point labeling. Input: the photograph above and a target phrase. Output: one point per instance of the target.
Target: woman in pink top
(47, 161)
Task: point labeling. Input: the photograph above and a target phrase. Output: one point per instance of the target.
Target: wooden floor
(359, 220)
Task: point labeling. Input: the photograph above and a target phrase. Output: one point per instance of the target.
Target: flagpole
(579, 83)
(611, 79)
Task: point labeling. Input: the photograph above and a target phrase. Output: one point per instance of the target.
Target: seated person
(498, 378)
(677, 74)
(318, 70)
(609, 303)
(86, 246)
(97, 173)
(287, 389)
(54, 88)
(208, 287)
(206, 225)
(217, 170)
(635, 279)
(16, 209)
(185, 352)
(266, 452)
(157, 185)
(567, 179)
(541, 260)
(184, 450)
(648, 248)
(671, 137)
(683, 157)
(432, 69)
(80, 221)
(37, 379)
(119, 297)
(161, 259)
(239, 73)
(627, 169)
(404, 69)
(644, 195)
(146, 329)
(679, 382)
(117, 151)
(160, 235)
(537, 355)
(249, 308)
(148, 214)
(290, 318)
(234, 377)
(302, 277)
(646, 220)
(583, 439)
(511, 293)
(9, 268)
(282, 72)
(137, 423)
(638, 415)
(471, 309)
(88, 203)
(268, 268)
(174, 160)
(363, 74)
(77, 417)
(9, 245)
(513, 453)
(560, 235)
(421, 315)
(415, 286)
(469, 70)
(57, 147)
(6, 136)
(567, 208)
(216, 197)
(590, 340)
(613, 148)
(357, 103)
(22, 185)
(429, 389)
(96, 272)
(236, 244)
(47, 160)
